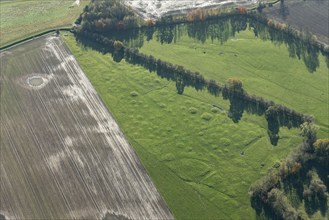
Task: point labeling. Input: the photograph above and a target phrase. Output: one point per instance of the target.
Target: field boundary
(31, 37)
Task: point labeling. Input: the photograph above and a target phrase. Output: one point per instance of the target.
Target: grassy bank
(22, 18)
(265, 69)
(201, 162)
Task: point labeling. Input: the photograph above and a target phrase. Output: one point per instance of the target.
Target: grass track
(22, 18)
(195, 164)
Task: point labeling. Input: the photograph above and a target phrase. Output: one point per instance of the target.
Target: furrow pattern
(63, 156)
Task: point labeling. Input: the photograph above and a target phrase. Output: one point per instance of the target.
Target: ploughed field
(62, 154)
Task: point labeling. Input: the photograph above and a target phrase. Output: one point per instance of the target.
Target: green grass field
(22, 18)
(191, 150)
(265, 70)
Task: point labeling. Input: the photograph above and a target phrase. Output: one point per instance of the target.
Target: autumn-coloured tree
(118, 45)
(295, 168)
(308, 131)
(270, 22)
(235, 85)
(149, 22)
(241, 10)
(197, 15)
(321, 147)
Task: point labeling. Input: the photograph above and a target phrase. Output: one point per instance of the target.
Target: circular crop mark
(35, 81)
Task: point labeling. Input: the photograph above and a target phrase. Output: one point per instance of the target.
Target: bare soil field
(158, 8)
(63, 155)
(305, 15)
